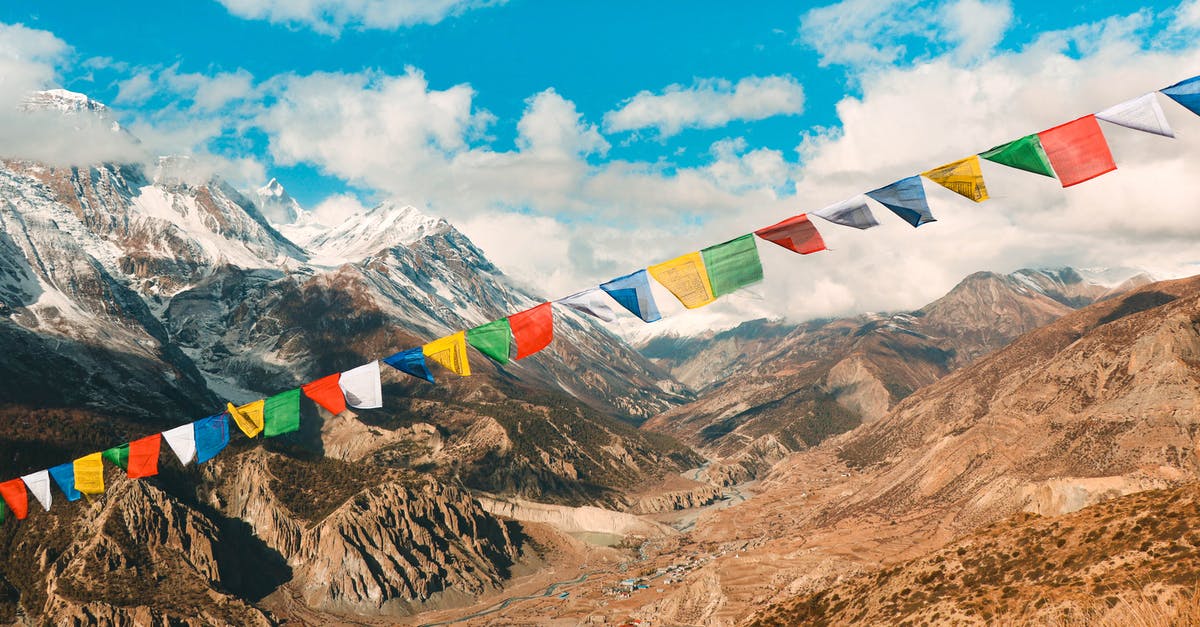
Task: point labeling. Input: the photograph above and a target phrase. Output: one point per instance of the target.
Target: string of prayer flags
(327, 393)
(1077, 150)
(1186, 93)
(492, 339)
(182, 440)
(963, 177)
(411, 361)
(532, 329)
(39, 486)
(13, 493)
(732, 265)
(64, 476)
(590, 301)
(906, 198)
(281, 413)
(450, 352)
(89, 473)
(117, 455)
(248, 417)
(143, 456)
(1023, 154)
(212, 436)
(686, 278)
(852, 212)
(796, 233)
(1140, 114)
(632, 292)
(362, 387)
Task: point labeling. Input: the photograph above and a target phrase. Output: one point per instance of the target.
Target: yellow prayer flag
(686, 278)
(963, 177)
(249, 417)
(89, 474)
(451, 352)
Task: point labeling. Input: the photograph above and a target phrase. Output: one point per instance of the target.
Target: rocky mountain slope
(774, 385)
(1132, 560)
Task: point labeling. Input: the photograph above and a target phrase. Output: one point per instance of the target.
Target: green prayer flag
(281, 413)
(1024, 154)
(492, 339)
(118, 455)
(3, 511)
(732, 265)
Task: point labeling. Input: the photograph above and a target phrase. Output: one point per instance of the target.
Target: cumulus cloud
(338, 208)
(867, 33)
(330, 17)
(708, 103)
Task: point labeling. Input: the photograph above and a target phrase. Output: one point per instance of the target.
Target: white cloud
(708, 103)
(330, 17)
(552, 125)
(868, 33)
(338, 208)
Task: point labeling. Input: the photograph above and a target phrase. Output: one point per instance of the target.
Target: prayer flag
(64, 476)
(492, 339)
(13, 492)
(362, 387)
(1186, 93)
(1142, 114)
(797, 234)
(327, 393)
(118, 456)
(963, 177)
(411, 361)
(281, 413)
(733, 264)
(182, 440)
(1023, 154)
(906, 198)
(143, 456)
(212, 436)
(853, 212)
(451, 352)
(532, 329)
(249, 417)
(39, 485)
(1077, 150)
(685, 277)
(592, 302)
(89, 473)
(632, 292)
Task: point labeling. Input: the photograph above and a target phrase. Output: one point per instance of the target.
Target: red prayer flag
(1077, 150)
(797, 233)
(532, 329)
(143, 456)
(14, 494)
(327, 393)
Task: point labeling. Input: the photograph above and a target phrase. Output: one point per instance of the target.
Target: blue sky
(575, 141)
(597, 54)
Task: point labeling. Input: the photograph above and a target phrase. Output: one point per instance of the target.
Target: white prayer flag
(182, 440)
(361, 386)
(39, 484)
(853, 212)
(592, 301)
(1141, 114)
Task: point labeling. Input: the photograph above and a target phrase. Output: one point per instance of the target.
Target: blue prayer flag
(906, 198)
(212, 435)
(632, 291)
(411, 361)
(64, 476)
(1186, 93)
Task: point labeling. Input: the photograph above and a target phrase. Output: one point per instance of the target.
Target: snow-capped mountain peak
(277, 205)
(384, 226)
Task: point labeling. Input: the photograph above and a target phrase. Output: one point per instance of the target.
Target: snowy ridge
(277, 205)
(382, 227)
